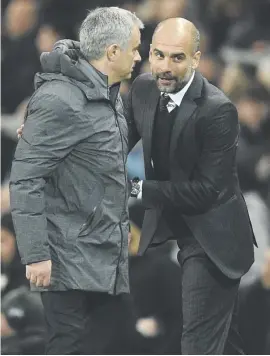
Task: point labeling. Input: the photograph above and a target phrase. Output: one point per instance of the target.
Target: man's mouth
(165, 81)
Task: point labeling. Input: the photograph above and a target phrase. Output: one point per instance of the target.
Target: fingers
(42, 282)
(31, 276)
(20, 131)
(28, 274)
(38, 279)
(46, 282)
(33, 279)
(39, 282)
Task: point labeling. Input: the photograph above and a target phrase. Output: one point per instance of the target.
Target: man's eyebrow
(158, 51)
(180, 54)
(172, 55)
(138, 46)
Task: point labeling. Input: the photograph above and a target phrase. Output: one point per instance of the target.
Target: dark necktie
(163, 101)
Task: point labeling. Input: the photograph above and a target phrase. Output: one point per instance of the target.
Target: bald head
(174, 54)
(177, 31)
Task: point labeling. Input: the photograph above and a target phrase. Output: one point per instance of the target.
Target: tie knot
(163, 101)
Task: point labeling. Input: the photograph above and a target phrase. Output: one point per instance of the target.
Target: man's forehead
(136, 41)
(168, 49)
(136, 35)
(136, 31)
(173, 38)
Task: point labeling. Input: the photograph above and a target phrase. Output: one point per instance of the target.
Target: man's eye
(159, 55)
(181, 58)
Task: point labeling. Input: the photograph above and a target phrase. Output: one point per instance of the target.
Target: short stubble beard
(176, 85)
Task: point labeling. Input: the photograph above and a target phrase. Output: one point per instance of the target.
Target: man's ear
(196, 60)
(113, 52)
(150, 52)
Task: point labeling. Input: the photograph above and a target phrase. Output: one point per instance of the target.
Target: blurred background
(235, 45)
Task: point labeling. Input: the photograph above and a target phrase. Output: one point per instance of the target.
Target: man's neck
(186, 82)
(102, 67)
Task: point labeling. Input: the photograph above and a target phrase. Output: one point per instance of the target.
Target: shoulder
(214, 98)
(216, 110)
(57, 95)
(143, 81)
(56, 104)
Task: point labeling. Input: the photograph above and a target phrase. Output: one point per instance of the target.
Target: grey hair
(196, 40)
(105, 26)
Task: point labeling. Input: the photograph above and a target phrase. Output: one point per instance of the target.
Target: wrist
(135, 187)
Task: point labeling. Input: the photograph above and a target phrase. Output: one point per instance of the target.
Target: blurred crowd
(235, 45)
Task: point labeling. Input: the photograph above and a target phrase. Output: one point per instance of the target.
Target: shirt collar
(178, 97)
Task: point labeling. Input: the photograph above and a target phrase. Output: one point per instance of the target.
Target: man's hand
(20, 131)
(136, 188)
(39, 273)
(148, 327)
(266, 270)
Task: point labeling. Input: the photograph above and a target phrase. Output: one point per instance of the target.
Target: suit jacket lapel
(148, 119)
(185, 111)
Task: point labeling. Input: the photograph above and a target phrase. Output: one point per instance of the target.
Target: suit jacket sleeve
(196, 196)
(48, 137)
(133, 134)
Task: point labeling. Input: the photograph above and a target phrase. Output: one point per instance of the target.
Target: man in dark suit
(189, 131)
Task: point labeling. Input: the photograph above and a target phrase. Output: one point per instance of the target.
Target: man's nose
(138, 57)
(164, 65)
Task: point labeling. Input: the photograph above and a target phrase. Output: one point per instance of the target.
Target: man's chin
(166, 88)
(128, 76)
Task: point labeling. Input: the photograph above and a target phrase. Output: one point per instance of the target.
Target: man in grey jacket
(68, 181)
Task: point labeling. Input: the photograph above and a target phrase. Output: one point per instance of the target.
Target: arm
(196, 196)
(48, 137)
(133, 135)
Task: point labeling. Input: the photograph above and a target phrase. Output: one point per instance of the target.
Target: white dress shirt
(176, 100)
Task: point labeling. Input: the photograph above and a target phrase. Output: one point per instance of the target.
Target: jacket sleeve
(133, 134)
(196, 196)
(48, 137)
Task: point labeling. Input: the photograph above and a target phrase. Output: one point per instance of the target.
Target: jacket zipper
(121, 246)
(118, 262)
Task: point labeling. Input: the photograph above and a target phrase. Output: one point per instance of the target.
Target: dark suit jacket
(204, 186)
